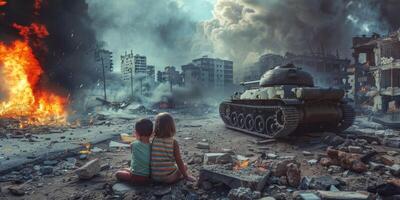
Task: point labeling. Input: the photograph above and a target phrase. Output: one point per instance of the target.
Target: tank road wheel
(283, 122)
(241, 120)
(224, 112)
(249, 122)
(234, 119)
(273, 126)
(259, 124)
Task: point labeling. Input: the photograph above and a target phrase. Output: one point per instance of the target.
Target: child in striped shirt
(166, 162)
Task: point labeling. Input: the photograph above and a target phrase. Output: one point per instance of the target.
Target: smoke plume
(245, 29)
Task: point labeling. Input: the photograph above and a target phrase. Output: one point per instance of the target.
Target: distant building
(140, 64)
(170, 74)
(127, 63)
(150, 70)
(104, 58)
(208, 72)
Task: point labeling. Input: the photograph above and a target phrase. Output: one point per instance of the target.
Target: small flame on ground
(241, 164)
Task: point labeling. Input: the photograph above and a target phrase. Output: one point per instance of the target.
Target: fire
(241, 164)
(20, 72)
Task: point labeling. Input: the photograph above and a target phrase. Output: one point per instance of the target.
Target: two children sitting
(160, 159)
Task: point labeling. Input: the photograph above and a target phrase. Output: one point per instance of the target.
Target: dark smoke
(69, 62)
(245, 29)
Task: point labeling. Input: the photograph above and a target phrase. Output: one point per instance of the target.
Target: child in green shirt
(139, 171)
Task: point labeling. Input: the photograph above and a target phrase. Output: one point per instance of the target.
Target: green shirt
(140, 163)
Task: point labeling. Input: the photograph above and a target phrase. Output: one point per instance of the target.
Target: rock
(392, 153)
(89, 170)
(17, 190)
(83, 157)
(393, 142)
(45, 170)
(114, 144)
(272, 156)
(307, 153)
(376, 166)
(122, 188)
(322, 182)
(342, 195)
(305, 183)
(217, 158)
(312, 162)
(355, 149)
(333, 188)
(387, 160)
(242, 193)
(293, 175)
(306, 196)
(161, 191)
(395, 170)
(69, 164)
(195, 159)
(203, 145)
(267, 198)
(97, 150)
(50, 162)
(334, 169)
(389, 188)
(328, 162)
(229, 151)
(333, 140)
(206, 185)
(279, 168)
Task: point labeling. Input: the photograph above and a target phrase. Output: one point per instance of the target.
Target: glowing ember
(20, 72)
(241, 164)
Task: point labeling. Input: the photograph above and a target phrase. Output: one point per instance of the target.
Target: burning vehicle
(286, 101)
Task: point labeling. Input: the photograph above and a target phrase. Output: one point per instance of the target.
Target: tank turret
(285, 101)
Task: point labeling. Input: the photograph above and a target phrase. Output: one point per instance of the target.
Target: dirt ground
(64, 184)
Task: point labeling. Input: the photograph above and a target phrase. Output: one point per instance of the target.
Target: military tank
(285, 101)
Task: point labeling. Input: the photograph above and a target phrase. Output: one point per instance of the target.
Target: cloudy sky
(173, 32)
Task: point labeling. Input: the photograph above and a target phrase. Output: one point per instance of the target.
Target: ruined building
(171, 75)
(133, 65)
(209, 73)
(377, 70)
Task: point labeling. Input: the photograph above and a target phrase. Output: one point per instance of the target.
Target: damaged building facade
(377, 71)
(132, 65)
(208, 72)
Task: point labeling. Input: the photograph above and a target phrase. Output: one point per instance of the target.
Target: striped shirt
(162, 158)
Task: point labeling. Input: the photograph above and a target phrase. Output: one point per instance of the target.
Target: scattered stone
(161, 191)
(267, 141)
(203, 145)
(333, 140)
(329, 195)
(45, 170)
(322, 183)
(17, 190)
(312, 162)
(306, 196)
(83, 157)
(89, 170)
(279, 168)
(395, 170)
(389, 188)
(355, 149)
(307, 153)
(188, 138)
(392, 153)
(334, 169)
(69, 164)
(393, 142)
(387, 160)
(97, 150)
(305, 183)
(333, 189)
(346, 160)
(376, 166)
(50, 162)
(217, 158)
(195, 159)
(267, 198)
(293, 175)
(242, 193)
(122, 188)
(261, 184)
(272, 156)
(229, 151)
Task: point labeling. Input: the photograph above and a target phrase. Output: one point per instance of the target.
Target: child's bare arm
(178, 159)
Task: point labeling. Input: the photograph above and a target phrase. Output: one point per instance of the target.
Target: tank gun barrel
(250, 83)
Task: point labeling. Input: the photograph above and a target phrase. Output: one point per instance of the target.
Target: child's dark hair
(164, 125)
(144, 127)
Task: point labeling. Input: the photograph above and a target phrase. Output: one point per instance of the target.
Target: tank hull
(280, 118)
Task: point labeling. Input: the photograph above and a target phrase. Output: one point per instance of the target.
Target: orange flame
(21, 71)
(241, 164)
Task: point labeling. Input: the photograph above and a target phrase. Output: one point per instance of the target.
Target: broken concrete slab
(230, 178)
(341, 195)
(243, 193)
(122, 188)
(114, 144)
(306, 196)
(217, 158)
(89, 170)
(203, 145)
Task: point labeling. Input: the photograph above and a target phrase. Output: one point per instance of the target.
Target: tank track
(264, 121)
(348, 118)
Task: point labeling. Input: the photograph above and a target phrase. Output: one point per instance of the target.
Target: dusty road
(307, 150)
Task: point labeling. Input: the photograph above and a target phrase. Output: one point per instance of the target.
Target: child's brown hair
(144, 127)
(164, 125)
